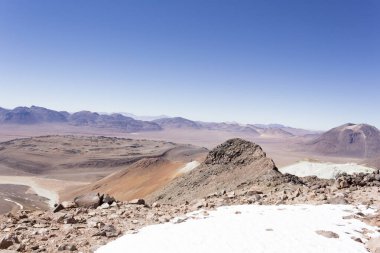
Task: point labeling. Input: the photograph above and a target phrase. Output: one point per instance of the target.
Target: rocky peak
(235, 151)
(229, 166)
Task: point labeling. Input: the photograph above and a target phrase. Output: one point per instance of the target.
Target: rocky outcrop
(361, 179)
(231, 165)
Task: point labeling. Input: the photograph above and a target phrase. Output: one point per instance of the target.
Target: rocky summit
(231, 165)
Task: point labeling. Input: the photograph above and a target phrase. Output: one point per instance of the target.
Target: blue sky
(312, 64)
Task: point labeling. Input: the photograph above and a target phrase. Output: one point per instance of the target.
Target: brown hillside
(144, 176)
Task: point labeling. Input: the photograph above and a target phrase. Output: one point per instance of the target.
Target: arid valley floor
(151, 177)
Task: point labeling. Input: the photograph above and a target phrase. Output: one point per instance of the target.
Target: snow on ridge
(252, 228)
(323, 170)
(189, 167)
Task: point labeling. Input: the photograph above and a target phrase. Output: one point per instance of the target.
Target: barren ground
(54, 166)
(80, 160)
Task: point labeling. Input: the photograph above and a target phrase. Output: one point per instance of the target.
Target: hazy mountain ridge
(32, 115)
(40, 115)
(35, 115)
(86, 118)
(271, 130)
(177, 122)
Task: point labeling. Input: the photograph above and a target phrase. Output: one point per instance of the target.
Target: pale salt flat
(256, 229)
(189, 167)
(33, 183)
(323, 170)
(14, 202)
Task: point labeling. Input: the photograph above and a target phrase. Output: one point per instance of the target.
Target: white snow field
(323, 170)
(252, 228)
(189, 167)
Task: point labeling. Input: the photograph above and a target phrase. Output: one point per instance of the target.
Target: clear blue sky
(312, 64)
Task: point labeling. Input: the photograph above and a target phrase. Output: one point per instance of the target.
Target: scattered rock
(108, 199)
(68, 204)
(337, 201)
(356, 239)
(58, 208)
(327, 234)
(156, 204)
(104, 206)
(137, 202)
(69, 247)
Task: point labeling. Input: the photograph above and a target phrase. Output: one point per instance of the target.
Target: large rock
(327, 234)
(137, 202)
(339, 200)
(90, 200)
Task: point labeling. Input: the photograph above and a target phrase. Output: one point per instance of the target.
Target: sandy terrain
(74, 158)
(87, 157)
(283, 150)
(13, 197)
(145, 176)
(53, 166)
(46, 188)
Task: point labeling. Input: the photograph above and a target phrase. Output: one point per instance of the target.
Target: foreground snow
(323, 170)
(251, 228)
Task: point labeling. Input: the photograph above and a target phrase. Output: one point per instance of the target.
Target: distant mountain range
(39, 115)
(270, 130)
(349, 140)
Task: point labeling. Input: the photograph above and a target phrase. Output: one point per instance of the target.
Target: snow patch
(189, 167)
(323, 170)
(252, 228)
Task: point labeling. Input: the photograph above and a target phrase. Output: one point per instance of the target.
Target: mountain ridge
(38, 115)
(35, 115)
(354, 140)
